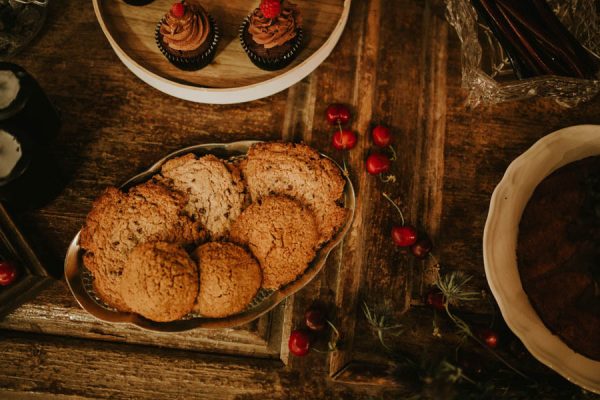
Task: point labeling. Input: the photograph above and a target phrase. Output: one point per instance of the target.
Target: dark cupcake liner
(190, 63)
(271, 64)
(138, 2)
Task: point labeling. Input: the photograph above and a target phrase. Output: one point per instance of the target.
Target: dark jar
(29, 175)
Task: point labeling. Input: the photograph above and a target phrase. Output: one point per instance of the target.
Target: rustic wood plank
(360, 94)
(52, 366)
(397, 64)
(55, 312)
(396, 72)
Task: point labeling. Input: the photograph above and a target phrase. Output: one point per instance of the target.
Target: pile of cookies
(204, 235)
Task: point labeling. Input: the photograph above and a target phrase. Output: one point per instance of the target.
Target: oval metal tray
(79, 279)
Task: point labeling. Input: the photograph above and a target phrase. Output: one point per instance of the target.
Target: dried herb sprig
(454, 287)
(378, 324)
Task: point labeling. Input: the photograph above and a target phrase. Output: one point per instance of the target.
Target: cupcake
(187, 36)
(272, 34)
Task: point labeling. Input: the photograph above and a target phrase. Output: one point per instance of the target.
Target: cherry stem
(336, 333)
(345, 166)
(395, 206)
(388, 178)
(324, 351)
(466, 378)
(339, 124)
(333, 343)
(435, 260)
(393, 158)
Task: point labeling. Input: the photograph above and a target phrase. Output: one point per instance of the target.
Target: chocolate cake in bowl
(558, 254)
(539, 251)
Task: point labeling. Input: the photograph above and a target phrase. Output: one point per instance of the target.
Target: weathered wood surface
(398, 63)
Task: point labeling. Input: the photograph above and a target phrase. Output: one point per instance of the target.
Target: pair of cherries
(345, 139)
(300, 339)
(436, 300)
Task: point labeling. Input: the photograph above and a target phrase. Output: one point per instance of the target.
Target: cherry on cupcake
(404, 236)
(382, 136)
(8, 273)
(378, 163)
(178, 9)
(270, 8)
(344, 139)
(299, 343)
(337, 114)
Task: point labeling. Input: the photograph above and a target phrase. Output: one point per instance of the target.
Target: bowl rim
(73, 265)
(560, 148)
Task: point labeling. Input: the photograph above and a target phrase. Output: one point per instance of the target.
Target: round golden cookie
(229, 279)
(119, 221)
(282, 234)
(160, 281)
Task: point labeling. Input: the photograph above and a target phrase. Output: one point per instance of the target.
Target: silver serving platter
(79, 278)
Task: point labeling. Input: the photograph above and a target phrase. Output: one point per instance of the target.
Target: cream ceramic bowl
(500, 241)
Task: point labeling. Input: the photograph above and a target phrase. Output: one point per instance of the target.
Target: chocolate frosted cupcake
(272, 34)
(187, 36)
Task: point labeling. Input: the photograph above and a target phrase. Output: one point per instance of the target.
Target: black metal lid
(26, 86)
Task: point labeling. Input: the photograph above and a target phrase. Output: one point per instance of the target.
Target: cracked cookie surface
(120, 221)
(160, 281)
(229, 279)
(283, 236)
(215, 189)
(297, 171)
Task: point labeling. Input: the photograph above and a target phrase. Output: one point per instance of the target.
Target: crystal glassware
(487, 73)
(20, 22)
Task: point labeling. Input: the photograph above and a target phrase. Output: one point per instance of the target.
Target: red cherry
(270, 8)
(315, 319)
(382, 136)
(344, 140)
(299, 343)
(489, 337)
(337, 113)
(8, 273)
(404, 236)
(435, 299)
(378, 163)
(178, 10)
(421, 248)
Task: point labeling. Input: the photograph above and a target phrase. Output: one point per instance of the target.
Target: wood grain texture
(397, 64)
(69, 368)
(55, 312)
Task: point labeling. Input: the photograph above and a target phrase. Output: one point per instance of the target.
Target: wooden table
(398, 64)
